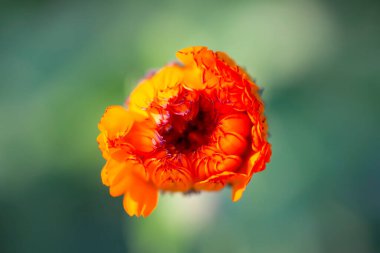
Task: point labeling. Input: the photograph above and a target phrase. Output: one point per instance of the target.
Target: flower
(197, 125)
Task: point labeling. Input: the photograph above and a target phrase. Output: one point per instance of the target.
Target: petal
(231, 143)
(116, 121)
(166, 82)
(193, 58)
(231, 134)
(219, 181)
(208, 161)
(129, 178)
(141, 198)
(115, 126)
(102, 142)
(141, 97)
(170, 172)
(186, 55)
(116, 174)
(225, 58)
(193, 78)
(157, 90)
(185, 105)
(210, 79)
(238, 122)
(143, 136)
(256, 161)
(237, 191)
(207, 58)
(259, 133)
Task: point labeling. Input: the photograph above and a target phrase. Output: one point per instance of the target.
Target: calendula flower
(197, 125)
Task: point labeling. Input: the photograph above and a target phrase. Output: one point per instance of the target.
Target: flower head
(197, 125)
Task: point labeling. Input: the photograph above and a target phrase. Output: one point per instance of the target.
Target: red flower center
(189, 126)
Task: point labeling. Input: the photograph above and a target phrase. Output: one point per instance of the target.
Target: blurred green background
(63, 62)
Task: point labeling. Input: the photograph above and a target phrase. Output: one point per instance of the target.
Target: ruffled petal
(170, 172)
(167, 82)
(141, 97)
(116, 174)
(129, 178)
(209, 161)
(219, 181)
(193, 72)
(188, 55)
(231, 134)
(256, 162)
(116, 121)
(225, 58)
(143, 136)
(115, 126)
(102, 142)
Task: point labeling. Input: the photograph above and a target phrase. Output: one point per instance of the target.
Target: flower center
(186, 134)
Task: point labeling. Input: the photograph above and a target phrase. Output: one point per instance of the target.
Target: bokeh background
(63, 62)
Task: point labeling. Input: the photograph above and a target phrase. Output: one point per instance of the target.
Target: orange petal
(225, 58)
(129, 178)
(170, 172)
(110, 170)
(237, 192)
(219, 181)
(116, 174)
(186, 55)
(256, 138)
(209, 161)
(232, 143)
(230, 136)
(143, 136)
(102, 142)
(256, 161)
(116, 121)
(238, 122)
(141, 198)
(210, 80)
(115, 125)
(206, 58)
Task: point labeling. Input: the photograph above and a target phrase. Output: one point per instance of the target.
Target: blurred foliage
(63, 62)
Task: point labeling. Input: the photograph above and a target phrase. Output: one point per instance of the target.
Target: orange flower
(195, 126)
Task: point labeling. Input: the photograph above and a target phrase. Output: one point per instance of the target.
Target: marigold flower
(197, 125)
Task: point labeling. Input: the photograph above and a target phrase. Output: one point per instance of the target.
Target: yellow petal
(142, 96)
(186, 55)
(102, 142)
(237, 191)
(159, 88)
(116, 121)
